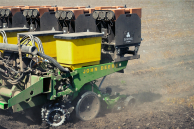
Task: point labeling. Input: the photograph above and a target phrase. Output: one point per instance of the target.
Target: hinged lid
(14, 29)
(41, 33)
(78, 35)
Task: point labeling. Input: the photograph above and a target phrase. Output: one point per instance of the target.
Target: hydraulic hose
(4, 36)
(17, 80)
(54, 62)
(30, 38)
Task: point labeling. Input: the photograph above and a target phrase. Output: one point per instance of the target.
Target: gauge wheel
(88, 106)
(129, 102)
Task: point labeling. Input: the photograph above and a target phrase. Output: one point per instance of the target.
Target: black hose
(54, 62)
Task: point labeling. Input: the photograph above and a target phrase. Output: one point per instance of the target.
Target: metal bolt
(118, 51)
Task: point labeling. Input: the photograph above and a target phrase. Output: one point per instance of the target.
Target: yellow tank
(76, 50)
(11, 34)
(48, 42)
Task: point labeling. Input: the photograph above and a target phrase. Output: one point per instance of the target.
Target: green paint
(31, 91)
(3, 105)
(91, 87)
(35, 101)
(34, 79)
(111, 101)
(82, 80)
(65, 92)
(88, 74)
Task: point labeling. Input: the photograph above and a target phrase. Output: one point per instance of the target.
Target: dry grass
(182, 63)
(178, 87)
(188, 101)
(152, 69)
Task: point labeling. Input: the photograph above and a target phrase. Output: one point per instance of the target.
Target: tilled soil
(147, 115)
(161, 80)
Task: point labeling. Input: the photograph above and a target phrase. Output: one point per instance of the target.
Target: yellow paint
(48, 42)
(113, 66)
(86, 71)
(49, 45)
(11, 37)
(96, 69)
(89, 70)
(79, 52)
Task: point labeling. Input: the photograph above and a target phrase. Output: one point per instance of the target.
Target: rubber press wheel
(88, 106)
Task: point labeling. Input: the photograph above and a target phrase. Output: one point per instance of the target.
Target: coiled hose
(54, 62)
(27, 38)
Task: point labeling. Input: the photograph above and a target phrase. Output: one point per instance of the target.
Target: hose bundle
(4, 36)
(30, 38)
(26, 39)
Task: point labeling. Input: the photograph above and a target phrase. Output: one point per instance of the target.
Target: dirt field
(162, 80)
